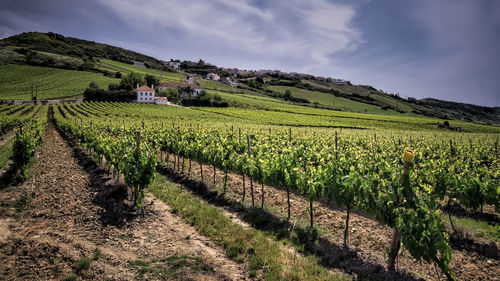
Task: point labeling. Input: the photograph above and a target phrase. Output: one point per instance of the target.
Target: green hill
(57, 51)
(74, 47)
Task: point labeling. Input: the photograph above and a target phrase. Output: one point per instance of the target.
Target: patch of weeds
(125, 236)
(23, 203)
(175, 266)
(171, 267)
(96, 254)
(82, 264)
(71, 277)
(139, 262)
(143, 270)
(252, 273)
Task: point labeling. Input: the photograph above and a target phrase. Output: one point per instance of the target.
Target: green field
(165, 76)
(16, 82)
(331, 100)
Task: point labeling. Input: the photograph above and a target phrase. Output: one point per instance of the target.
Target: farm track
(368, 239)
(68, 207)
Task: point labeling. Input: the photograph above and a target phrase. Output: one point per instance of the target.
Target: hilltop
(57, 51)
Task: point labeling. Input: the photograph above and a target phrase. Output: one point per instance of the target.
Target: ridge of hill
(74, 47)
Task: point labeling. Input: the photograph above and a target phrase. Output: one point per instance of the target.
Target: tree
(113, 86)
(130, 81)
(94, 85)
(151, 80)
(118, 75)
(288, 94)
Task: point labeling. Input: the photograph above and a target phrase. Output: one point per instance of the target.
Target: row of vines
(360, 171)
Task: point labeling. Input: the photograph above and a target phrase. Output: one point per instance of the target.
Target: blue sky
(447, 49)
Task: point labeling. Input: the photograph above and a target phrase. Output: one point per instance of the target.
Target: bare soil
(69, 209)
(368, 239)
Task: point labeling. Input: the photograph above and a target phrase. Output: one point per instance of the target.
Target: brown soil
(368, 239)
(68, 208)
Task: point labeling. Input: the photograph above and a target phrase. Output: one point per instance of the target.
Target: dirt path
(367, 238)
(69, 209)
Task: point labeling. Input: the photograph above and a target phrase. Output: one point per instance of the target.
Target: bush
(92, 94)
(206, 99)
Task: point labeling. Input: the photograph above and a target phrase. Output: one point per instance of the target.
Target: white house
(196, 89)
(182, 87)
(213, 76)
(174, 64)
(161, 100)
(145, 93)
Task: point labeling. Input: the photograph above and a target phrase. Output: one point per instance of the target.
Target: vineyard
(358, 172)
(310, 167)
(16, 82)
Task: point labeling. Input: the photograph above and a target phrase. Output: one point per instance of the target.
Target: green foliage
(27, 138)
(131, 80)
(151, 80)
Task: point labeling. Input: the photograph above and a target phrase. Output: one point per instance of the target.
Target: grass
(331, 100)
(171, 268)
(265, 257)
(52, 83)
(6, 152)
(480, 229)
(165, 76)
(82, 264)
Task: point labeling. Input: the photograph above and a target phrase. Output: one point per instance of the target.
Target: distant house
(145, 94)
(174, 64)
(161, 100)
(340, 82)
(182, 87)
(213, 76)
(196, 89)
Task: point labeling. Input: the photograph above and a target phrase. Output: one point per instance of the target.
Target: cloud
(295, 33)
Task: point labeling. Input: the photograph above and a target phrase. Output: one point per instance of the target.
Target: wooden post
(262, 188)
(215, 174)
(395, 241)
(239, 132)
(290, 134)
(201, 169)
(138, 142)
(244, 189)
(251, 182)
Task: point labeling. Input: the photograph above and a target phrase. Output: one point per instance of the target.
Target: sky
(446, 49)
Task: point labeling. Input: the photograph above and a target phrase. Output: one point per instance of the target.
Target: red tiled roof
(144, 88)
(160, 98)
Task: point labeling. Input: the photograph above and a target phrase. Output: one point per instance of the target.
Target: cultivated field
(272, 191)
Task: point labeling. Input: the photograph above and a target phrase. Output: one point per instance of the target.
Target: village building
(161, 100)
(213, 76)
(174, 64)
(145, 94)
(183, 89)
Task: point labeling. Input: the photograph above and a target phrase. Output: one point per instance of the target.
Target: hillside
(74, 47)
(58, 51)
(51, 83)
